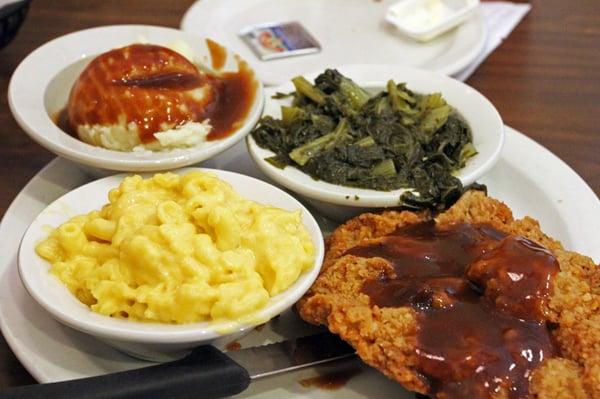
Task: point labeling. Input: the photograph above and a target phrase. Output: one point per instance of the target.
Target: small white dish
(341, 202)
(424, 20)
(151, 341)
(40, 86)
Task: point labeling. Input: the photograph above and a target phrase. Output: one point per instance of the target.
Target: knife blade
(205, 373)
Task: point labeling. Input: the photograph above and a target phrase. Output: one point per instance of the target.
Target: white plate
(527, 177)
(349, 31)
(56, 65)
(479, 113)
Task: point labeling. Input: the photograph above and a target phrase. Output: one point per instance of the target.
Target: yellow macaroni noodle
(179, 249)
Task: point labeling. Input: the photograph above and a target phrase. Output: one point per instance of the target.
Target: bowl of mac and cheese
(170, 261)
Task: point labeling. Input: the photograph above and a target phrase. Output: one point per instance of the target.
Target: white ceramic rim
(30, 80)
(369, 76)
(142, 332)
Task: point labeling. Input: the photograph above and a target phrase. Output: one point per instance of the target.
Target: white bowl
(341, 202)
(40, 87)
(153, 341)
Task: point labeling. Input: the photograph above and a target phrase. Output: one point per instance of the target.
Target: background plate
(529, 178)
(349, 31)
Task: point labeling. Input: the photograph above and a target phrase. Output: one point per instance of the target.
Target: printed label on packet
(278, 40)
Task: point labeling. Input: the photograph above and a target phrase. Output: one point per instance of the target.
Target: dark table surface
(544, 79)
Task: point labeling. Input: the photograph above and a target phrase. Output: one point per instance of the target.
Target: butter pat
(425, 19)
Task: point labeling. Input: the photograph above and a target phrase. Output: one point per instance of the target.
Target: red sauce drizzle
(218, 54)
(153, 87)
(61, 119)
(478, 296)
(233, 98)
(233, 346)
(331, 381)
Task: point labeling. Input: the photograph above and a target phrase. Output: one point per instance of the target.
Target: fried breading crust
(385, 338)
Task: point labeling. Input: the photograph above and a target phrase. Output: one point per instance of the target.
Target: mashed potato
(179, 249)
(148, 97)
(125, 136)
(141, 96)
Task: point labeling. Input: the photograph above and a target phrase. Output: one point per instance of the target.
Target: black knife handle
(205, 373)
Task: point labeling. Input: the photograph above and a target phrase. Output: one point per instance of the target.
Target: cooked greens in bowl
(336, 131)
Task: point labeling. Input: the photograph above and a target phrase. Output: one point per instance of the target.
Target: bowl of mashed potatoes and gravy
(171, 261)
(135, 98)
(146, 96)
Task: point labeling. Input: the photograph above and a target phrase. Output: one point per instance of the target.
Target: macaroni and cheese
(179, 249)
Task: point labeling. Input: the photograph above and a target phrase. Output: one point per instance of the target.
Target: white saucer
(349, 31)
(529, 178)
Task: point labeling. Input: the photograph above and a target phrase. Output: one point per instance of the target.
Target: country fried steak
(470, 303)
